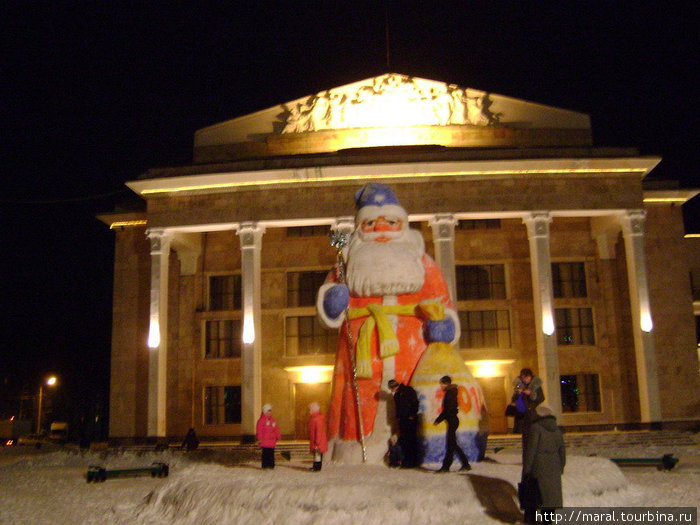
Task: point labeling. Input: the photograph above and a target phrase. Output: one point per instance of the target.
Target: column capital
(632, 222)
(160, 240)
(345, 224)
(537, 223)
(250, 234)
(443, 226)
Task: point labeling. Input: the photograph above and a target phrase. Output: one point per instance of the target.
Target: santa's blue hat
(375, 194)
(375, 199)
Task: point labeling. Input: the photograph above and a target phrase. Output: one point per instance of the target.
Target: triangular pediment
(390, 109)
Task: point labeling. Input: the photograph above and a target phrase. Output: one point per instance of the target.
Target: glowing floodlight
(154, 333)
(547, 324)
(248, 330)
(310, 374)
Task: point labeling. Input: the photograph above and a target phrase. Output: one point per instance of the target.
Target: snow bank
(366, 494)
(51, 488)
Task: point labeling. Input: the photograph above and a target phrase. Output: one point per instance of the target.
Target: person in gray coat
(544, 459)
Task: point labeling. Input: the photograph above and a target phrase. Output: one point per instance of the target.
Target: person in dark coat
(450, 408)
(406, 403)
(544, 459)
(191, 441)
(528, 388)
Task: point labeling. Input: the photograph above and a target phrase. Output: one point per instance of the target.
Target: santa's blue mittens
(439, 331)
(336, 300)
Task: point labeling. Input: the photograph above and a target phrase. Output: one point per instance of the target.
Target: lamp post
(50, 381)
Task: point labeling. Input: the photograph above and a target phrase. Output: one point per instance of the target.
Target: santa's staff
(339, 240)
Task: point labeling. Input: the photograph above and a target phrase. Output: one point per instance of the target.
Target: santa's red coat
(342, 413)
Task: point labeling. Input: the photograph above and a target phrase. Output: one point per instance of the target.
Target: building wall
(612, 356)
(672, 312)
(129, 363)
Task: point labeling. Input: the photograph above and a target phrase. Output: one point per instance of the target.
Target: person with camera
(527, 395)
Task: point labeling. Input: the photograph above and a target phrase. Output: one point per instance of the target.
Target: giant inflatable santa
(387, 277)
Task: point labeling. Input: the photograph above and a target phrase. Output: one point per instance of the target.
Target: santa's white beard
(384, 268)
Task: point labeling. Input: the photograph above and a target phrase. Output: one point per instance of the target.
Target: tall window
(302, 287)
(222, 405)
(478, 224)
(483, 281)
(574, 326)
(305, 336)
(569, 279)
(308, 231)
(225, 292)
(580, 393)
(223, 339)
(485, 329)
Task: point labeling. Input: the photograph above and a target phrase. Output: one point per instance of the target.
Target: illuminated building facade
(557, 257)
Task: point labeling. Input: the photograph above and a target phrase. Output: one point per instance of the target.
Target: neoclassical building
(556, 255)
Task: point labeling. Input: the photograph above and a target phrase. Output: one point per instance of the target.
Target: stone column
(443, 226)
(158, 333)
(250, 234)
(541, 268)
(632, 223)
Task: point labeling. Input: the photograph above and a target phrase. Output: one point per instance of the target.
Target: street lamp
(50, 381)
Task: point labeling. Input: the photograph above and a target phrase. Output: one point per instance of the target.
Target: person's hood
(549, 423)
(535, 383)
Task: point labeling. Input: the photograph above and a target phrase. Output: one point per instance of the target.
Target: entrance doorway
(305, 393)
(495, 396)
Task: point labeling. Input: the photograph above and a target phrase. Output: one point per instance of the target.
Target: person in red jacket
(318, 443)
(268, 433)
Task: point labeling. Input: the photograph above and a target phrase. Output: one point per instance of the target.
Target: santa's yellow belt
(377, 315)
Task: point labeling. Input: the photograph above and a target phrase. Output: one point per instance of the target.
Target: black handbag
(511, 411)
(529, 494)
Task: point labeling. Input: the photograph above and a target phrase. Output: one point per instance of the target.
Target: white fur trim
(372, 212)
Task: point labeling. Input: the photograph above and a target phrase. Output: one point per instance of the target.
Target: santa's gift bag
(441, 359)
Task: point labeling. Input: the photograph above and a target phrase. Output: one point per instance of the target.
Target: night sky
(95, 93)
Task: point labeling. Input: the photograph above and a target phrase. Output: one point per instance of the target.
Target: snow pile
(593, 482)
(367, 494)
(51, 488)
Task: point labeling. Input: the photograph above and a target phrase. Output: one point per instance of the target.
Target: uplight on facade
(248, 330)
(489, 367)
(310, 374)
(154, 333)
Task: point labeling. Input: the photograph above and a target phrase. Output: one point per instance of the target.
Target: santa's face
(382, 226)
(384, 258)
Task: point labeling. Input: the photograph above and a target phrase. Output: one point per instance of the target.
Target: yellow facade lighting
(127, 224)
(489, 367)
(669, 200)
(403, 175)
(310, 374)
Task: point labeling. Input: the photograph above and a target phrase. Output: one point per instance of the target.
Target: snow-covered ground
(51, 488)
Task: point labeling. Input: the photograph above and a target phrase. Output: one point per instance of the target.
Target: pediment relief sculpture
(390, 100)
